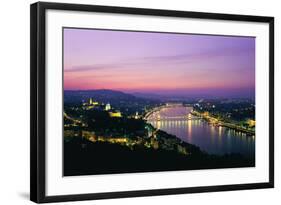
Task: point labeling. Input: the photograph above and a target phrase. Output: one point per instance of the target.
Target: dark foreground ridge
(83, 157)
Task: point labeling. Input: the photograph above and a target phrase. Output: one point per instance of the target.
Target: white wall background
(14, 100)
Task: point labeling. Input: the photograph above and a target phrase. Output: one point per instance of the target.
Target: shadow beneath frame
(24, 195)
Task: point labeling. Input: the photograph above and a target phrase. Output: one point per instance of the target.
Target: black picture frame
(38, 100)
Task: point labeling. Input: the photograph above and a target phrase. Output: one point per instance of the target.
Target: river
(211, 139)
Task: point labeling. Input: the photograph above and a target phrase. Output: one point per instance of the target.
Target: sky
(159, 63)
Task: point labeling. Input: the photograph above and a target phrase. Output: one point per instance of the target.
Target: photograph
(143, 101)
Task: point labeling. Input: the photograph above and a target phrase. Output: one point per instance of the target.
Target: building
(115, 114)
(251, 123)
(90, 104)
(90, 101)
(137, 115)
(107, 107)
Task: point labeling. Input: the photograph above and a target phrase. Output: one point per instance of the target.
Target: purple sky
(159, 63)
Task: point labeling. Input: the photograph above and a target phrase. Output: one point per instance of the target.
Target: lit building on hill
(115, 114)
(107, 107)
(89, 107)
(137, 115)
(90, 101)
(90, 104)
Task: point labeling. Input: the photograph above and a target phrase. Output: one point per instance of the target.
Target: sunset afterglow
(159, 63)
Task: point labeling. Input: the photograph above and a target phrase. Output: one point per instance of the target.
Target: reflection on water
(212, 139)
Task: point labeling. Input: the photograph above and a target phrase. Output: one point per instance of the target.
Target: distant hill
(149, 96)
(166, 98)
(122, 101)
(79, 96)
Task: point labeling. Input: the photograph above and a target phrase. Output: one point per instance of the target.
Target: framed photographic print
(129, 102)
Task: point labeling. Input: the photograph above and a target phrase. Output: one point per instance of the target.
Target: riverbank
(214, 121)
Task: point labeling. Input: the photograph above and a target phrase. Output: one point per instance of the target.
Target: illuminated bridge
(170, 111)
